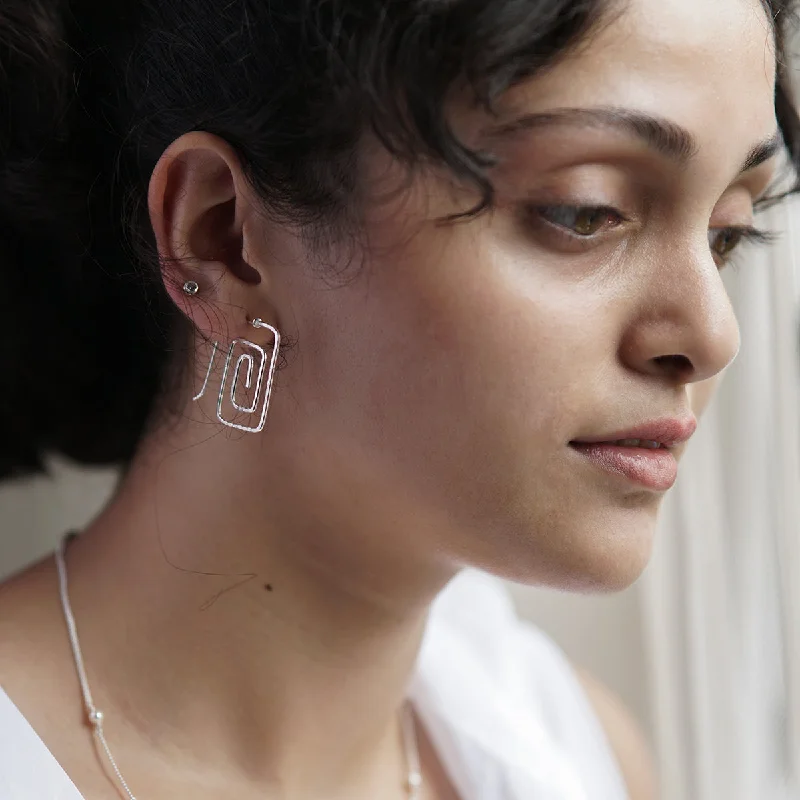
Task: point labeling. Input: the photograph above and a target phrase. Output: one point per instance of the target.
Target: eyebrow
(665, 137)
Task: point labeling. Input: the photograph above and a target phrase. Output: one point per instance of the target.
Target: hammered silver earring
(259, 406)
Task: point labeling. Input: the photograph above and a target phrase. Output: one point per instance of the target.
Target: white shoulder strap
(27, 768)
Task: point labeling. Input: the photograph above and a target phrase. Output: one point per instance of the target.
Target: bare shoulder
(627, 740)
(30, 635)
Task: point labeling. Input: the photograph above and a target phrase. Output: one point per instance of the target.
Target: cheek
(473, 355)
(446, 382)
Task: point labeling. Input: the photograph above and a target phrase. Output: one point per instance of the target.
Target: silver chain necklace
(96, 717)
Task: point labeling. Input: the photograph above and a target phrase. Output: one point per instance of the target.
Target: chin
(602, 553)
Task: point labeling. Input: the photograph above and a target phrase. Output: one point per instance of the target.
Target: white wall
(34, 513)
(603, 634)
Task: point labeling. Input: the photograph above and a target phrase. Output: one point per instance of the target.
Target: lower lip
(655, 469)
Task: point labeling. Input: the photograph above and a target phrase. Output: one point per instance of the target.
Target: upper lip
(668, 432)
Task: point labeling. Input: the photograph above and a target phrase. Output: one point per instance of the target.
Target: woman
(361, 294)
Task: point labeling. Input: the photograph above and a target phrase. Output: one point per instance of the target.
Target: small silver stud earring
(191, 287)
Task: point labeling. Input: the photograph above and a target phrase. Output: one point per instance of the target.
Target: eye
(582, 221)
(723, 241)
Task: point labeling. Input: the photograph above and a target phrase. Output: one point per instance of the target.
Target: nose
(684, 328)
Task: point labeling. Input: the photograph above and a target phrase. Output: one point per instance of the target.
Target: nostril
(678, 366)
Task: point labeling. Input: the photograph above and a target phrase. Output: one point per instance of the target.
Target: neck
(259, 644)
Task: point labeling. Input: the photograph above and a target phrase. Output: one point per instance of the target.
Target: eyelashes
(724, 241)
(583, 221)
(579, 227)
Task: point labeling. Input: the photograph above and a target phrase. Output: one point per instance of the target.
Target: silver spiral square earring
(246, 359)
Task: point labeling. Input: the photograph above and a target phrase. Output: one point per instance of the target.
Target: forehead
(708, 65)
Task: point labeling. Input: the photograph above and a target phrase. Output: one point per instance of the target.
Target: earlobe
(197, 200)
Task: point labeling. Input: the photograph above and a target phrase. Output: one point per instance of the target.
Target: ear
(198, 201)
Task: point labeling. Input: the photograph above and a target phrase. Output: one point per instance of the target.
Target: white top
(502, 705)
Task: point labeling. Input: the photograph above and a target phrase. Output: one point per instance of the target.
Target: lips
(643, 454)
(664, 432)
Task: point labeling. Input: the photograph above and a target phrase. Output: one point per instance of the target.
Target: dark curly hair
(92, 94)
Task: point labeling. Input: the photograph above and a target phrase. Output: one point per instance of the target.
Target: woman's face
(442, 387)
